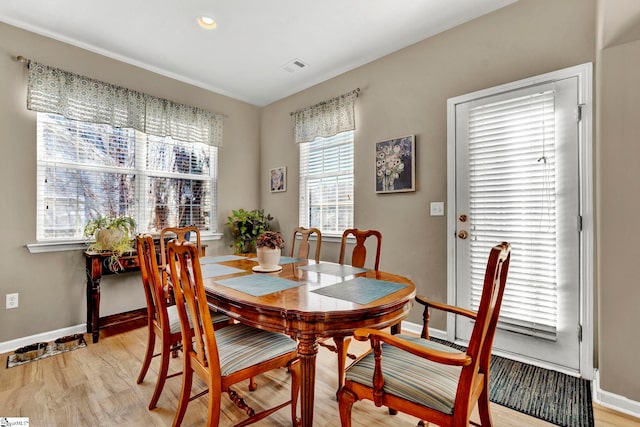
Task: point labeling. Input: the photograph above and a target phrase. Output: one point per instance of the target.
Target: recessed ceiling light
(207, 22)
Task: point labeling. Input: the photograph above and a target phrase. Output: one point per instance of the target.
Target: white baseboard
(8, 346)
(614, 401)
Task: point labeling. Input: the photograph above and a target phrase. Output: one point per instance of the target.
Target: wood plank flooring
(95, 386)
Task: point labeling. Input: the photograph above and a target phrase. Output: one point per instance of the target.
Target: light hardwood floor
(95, 386)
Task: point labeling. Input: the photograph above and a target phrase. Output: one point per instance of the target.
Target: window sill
(72, 245)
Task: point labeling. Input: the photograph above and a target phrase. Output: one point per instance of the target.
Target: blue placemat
(334, 269)
(221, 258)
(258, 284)
(360, 290)
(213, 270)
(283, 260)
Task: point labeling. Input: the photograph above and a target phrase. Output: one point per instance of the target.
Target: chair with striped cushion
(162, 319)
(358, 259)
(423, 378)
(227, 356)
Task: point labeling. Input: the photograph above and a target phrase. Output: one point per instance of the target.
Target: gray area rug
(551, 396)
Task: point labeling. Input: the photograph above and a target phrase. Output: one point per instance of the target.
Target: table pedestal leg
(307, 351)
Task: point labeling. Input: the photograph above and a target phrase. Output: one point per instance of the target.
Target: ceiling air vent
(294, 65)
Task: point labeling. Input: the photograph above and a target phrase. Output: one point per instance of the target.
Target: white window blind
(326, 183)
(88, 169)
(513, 187)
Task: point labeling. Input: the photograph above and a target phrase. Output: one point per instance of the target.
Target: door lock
(462, 234)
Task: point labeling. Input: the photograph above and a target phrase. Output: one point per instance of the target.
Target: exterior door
(516, 178)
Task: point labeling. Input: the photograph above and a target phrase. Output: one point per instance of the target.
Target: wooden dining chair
(162, 319)
(426, 379)
(227, 356)
(358, 259)
(305, 247)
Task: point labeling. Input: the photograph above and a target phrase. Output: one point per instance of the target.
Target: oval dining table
(308, 301)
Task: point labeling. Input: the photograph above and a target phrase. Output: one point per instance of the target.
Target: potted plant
(112, 234)
(246, 226)
(268, 248)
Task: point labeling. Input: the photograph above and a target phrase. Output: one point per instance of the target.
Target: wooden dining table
(306, 300)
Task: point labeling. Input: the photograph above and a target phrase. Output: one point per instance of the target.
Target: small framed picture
(395, 165)
(278, 179)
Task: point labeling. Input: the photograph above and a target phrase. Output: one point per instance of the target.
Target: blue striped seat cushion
(174, 318)
(411, 377)
(241, 346)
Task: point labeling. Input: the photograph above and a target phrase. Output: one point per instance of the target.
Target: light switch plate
(437, 208)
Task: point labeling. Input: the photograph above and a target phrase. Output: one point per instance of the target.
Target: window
(86, 169)
(326, 183)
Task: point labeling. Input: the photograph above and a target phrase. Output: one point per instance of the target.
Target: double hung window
(87, 169)
(326, 183)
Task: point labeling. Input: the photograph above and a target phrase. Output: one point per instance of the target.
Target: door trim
(584, 73)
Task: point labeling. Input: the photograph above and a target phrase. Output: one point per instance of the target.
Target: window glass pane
(167, 155)
(512, 185)
(178, 202)
(71, 197)
(86, 143)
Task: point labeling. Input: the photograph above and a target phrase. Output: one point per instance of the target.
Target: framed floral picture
(278, 179)
(395, 165)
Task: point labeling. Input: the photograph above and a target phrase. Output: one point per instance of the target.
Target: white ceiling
(244, 57)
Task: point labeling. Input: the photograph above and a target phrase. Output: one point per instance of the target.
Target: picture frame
(278, 179)
(396, 165)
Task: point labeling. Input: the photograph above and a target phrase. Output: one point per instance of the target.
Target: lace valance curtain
(81, 98)
(326, 118)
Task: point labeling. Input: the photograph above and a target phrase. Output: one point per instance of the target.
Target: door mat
(551, 396)
(37, 351)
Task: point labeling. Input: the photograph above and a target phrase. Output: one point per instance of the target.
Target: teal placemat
(360, 290)
(334, 269)
(213, 270)
(283, 260)
(220, 258)
(258, 284)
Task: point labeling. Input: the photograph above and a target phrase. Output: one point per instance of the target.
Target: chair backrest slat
(359, 254)
(182, 234)
(305, 245)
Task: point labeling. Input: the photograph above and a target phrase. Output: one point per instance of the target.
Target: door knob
(462, 234)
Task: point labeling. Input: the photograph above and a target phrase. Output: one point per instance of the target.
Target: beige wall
(618, 157)
(52, 285)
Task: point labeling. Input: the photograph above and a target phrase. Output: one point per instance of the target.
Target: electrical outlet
(12, 301)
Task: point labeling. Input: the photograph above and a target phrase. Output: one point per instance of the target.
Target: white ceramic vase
(268, 258)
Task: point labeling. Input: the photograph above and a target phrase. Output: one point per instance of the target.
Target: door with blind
(517, 179)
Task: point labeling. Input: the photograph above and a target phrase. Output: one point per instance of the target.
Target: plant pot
(108, 238)
(268, 258)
